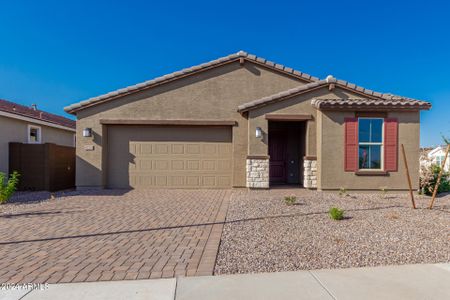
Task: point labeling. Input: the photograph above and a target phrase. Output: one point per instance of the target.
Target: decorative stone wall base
(258, 173)
(310, 174)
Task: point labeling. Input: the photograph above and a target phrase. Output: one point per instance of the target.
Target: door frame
(288, 129)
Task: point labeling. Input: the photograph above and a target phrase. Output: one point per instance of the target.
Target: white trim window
(34, 134)
(370, 143)
(440, 160)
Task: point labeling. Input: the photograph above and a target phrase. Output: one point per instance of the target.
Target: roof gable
(436, 151)
(369, 99)
(240, 56)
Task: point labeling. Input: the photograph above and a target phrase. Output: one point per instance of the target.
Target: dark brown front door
(278, 154)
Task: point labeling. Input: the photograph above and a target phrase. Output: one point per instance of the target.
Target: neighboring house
(436, 156)
(424, 161)
(243, 121)
(24, 124)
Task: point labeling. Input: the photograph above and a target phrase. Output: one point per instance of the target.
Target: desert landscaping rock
(263, 234)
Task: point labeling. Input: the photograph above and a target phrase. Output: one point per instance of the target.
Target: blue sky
(55, 53)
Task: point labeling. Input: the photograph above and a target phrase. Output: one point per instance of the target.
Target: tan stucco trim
(372, 173)
(289, 117)
(371, 114)
(168, 122)
(35, 121)
(310, 157)
(258, 157)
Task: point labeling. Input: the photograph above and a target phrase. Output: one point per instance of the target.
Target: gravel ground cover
(34, 199)
(263, 234)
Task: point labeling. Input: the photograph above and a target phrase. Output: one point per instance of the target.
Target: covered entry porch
(287, 141)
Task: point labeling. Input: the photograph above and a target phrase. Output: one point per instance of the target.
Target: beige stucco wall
(212, 94)
(300, 104)
(331, 154)
(14, 130)
(216, 94)
(325, 139)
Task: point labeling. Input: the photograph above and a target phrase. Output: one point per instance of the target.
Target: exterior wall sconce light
(258, 132)
(87, 132)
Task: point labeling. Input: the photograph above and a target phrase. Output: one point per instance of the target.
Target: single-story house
(244, 121)
(435, 156)
(29, 125)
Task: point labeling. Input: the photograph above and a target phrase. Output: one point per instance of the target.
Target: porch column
(310, 172)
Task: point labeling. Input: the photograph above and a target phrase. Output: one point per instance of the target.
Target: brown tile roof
(147, 84)
(371, 100)
(25, 111)
(366, 103)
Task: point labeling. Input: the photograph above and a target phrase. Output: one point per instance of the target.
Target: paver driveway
(112, 235)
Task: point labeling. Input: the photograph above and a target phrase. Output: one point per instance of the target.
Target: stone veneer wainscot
(258, 172)
(310, 173)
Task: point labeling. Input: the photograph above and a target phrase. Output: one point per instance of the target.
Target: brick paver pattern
(113, 235)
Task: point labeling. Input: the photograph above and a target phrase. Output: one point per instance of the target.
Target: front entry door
(278, 154)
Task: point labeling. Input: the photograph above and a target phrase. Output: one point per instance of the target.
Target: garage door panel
(192, 149)
(177, 149)
(210, 149)
(224, 165)
(193, 165)
(161, 165)
(199, 158)
(177, 165)
(142, 164)
(225, 149)
(182, 180)
(161, 181)
(209, 165)
(177, 181)
(223, 180)
(209, 181)
(193, 181)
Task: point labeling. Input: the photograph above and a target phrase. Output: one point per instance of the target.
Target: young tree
(436, 187)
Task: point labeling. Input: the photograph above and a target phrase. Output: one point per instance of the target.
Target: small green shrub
(336, 213)
(8, 187)
(428, 179)
(343, 192)
(289, 200)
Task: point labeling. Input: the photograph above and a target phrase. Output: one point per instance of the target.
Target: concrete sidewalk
(391, 282)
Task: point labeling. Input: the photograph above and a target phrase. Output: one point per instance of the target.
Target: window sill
(372, 173)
